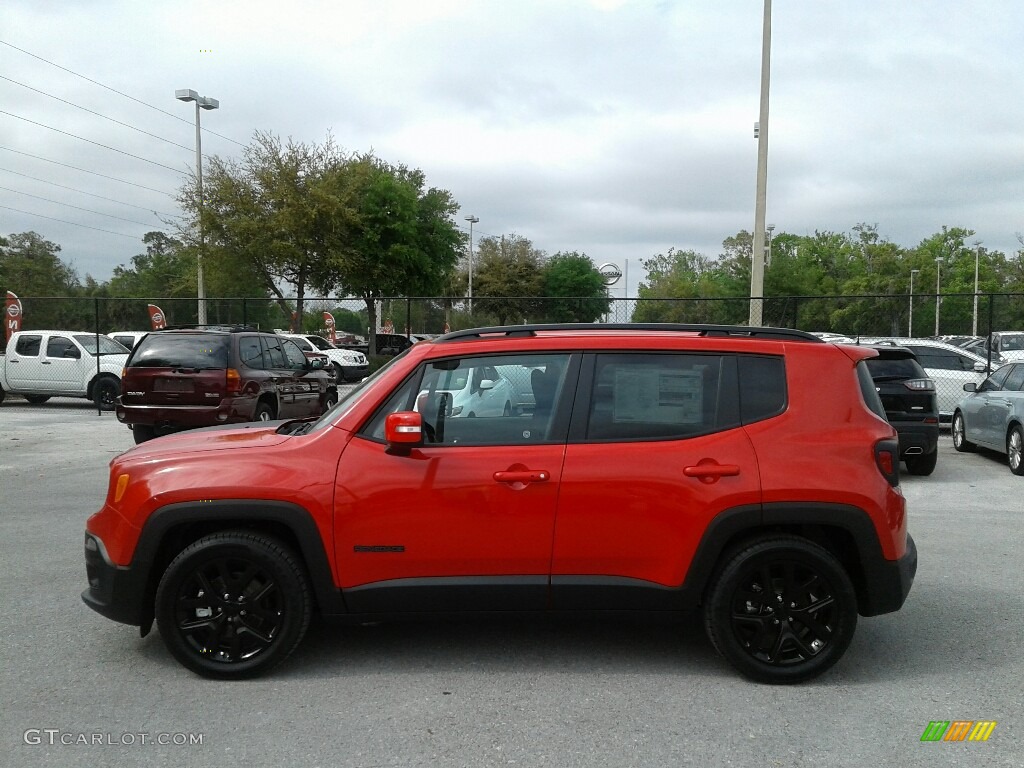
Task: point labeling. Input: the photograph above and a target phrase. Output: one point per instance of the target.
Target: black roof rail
(519, 331)
(223, 327)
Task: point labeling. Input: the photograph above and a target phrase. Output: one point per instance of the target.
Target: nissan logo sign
(610, 273)
(13, 310)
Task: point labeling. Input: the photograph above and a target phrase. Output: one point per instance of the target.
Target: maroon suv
(182, 379)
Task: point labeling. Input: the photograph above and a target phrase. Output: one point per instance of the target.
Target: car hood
(230, 436)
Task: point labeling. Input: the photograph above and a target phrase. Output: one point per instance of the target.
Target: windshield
(107, 345)
(319, 343)
(1011, 342)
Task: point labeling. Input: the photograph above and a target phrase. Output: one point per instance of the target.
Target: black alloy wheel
(782, 610)
(106, 394)
(960, 441)
(233, 605)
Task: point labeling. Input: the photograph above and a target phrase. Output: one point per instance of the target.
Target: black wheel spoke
(250, 630)
(267, 588)
(241, 582)
(190, 626)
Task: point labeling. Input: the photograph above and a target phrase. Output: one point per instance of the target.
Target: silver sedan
(992, 415)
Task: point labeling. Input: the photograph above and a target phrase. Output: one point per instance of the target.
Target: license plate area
(174, 385)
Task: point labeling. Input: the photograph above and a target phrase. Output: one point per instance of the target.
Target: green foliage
(574, 290)
(507, 279)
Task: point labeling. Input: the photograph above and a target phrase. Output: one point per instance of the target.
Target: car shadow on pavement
(505, 645)
(949, 631)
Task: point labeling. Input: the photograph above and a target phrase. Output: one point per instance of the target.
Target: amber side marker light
(122, 486)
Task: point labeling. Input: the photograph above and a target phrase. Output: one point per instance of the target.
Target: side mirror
(316, 364)
(403, 429)
(981, 367)
(970, 387)
(487, 384)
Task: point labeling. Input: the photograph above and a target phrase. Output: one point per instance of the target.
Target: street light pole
(938, 297)
(977, 258)
(202, 102)
(910, 311)
(472, 220)
(757, 255)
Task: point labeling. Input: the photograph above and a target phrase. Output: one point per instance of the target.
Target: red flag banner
(447, 328)
(295, 322)
(389, 327)
(157, 318)
(329, 324)
(12, 316)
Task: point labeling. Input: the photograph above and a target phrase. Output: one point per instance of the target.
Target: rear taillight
(887, 459)
(920, 385)
(232, 381)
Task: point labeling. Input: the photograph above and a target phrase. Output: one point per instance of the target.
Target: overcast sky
(617, 128)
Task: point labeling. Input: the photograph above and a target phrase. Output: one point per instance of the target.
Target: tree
(678, 275)
(399, 239)
(507, 280)
(574, 290)
(31, 266)
(276, 213)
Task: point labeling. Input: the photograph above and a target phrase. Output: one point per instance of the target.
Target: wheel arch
(172, 528)
(846, 532)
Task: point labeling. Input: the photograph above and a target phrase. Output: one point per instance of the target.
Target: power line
(93, 112)
(86, 170)
(91, 194)
(76, 207)
(90, 141)
(84, 226)
(119, 93)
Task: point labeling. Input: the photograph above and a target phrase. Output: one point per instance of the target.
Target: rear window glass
(868, 391)
(164, 350)
(883, 369)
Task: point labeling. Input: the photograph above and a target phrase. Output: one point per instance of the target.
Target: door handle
(524, 476)
(45, 362)
(710, 471)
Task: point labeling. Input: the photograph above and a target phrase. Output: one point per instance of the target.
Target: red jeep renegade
(649, 469)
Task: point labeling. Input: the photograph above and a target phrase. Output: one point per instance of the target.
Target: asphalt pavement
(79, 690)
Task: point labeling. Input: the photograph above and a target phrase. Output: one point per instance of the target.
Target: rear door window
(250, 352)
(642, 396)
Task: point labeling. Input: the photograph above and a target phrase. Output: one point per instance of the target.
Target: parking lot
(488, 694)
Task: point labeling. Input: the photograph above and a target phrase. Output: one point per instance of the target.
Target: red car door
(463, 522)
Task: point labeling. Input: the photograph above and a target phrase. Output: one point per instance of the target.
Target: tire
(37, 399)
(960, 441)
(330, 400)
(922, 464)
(233, 604)
(508, 409)
(263, 412)
(1014, 448)
(142, 432)
(776, 634)
(2, 394)
(339, 373)
(105, 393)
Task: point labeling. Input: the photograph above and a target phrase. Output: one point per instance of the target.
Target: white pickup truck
(39, 365)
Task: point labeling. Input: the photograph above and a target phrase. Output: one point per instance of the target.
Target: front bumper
(117, 592)
(354, 372)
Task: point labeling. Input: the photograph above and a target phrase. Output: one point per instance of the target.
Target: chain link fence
(856, 317)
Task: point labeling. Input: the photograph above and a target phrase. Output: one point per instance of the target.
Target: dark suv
(658, 469)
(180, 379)
(908, 396)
